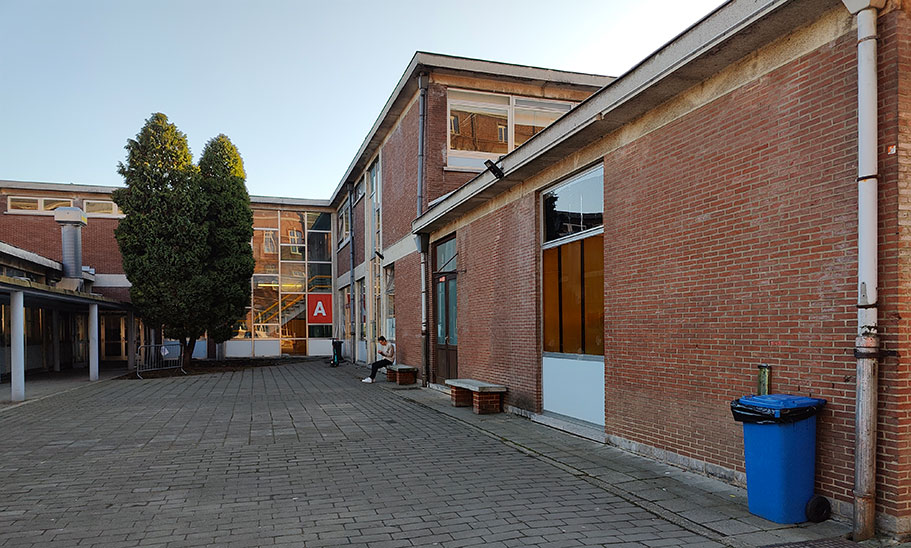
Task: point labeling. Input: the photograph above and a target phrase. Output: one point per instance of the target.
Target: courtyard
(305, 455)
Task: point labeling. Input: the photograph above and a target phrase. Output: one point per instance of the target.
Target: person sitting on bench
(387, 351)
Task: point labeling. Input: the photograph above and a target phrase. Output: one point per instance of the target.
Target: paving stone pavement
(305, 455)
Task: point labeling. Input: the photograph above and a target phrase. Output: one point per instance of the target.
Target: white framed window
(359, 190)
(485, 126)
(35, 205)
(343, 224)
(101, 208)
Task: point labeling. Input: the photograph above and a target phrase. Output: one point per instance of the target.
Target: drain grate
(824, 543)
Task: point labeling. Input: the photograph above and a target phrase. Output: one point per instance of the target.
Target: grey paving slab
(305, 455)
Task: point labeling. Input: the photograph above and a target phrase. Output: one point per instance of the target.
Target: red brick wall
(357, 224)
(400, 175)
(497, 323)
(343, 259)
(730, 241)
(41, 234)
(894, 428)
(408, 311)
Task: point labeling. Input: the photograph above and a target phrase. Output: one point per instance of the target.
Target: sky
(295, 85)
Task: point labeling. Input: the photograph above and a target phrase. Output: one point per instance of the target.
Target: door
(447, 323)
(113, 333)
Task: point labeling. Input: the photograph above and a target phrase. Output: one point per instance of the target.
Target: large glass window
(293, 258)
(485, 126)
(22, 204)
(572, 270)
(362, 309)
(574, 206)
(390, 302)
(446, 256)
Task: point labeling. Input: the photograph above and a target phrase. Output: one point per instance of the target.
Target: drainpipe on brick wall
(351, 293)
(422, 249)
(866, 348)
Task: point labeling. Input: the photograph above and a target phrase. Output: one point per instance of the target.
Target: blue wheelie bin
(779, 447)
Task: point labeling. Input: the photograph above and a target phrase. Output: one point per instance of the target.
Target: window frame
(553, 246)
(343, 219)
(118, 214)
(40, 199)
(510, 109)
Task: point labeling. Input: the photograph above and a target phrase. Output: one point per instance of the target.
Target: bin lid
(781, 401)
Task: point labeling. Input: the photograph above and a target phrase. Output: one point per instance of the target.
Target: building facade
(290, 312)
(445, 118)
(640, 258)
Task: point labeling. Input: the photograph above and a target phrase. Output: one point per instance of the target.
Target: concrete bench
(401, 374)
(484, 397)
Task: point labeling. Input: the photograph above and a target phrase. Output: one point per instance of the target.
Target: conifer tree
(230, 222)
(164, 237)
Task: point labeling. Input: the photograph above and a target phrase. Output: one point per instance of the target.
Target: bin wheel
(818, 509)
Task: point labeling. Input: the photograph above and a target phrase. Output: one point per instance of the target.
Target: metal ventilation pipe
(866, 349)
(71, 220)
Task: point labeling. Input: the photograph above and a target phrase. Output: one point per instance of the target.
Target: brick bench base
(483, 397)
(401, 374)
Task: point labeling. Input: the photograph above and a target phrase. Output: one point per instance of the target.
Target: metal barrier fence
(154, 357)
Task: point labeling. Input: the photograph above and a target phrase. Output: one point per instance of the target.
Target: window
(24, 204)
(16, 203)
(573, 265)
(446, 256)
(359, 191)
(485, 126)
(573, 292)
(362, 305)
(343, 220)
(575, 206)
(390, 302)
(532, 116)
(100, 208)
(270, 246)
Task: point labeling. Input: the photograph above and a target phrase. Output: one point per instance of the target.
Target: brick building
(626, 271)
(623, 254)
(290, 310)
(446, 116)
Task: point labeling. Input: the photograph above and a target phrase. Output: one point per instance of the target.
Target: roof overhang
(58, 187)
(28, 256)
(721, 38)
(300, 202)
(51, 297)
(424, 62)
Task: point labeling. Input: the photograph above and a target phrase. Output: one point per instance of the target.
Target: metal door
(447, 327)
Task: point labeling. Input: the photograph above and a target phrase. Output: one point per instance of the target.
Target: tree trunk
(187, 345)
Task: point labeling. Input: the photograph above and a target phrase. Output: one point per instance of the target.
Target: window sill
(463, 169)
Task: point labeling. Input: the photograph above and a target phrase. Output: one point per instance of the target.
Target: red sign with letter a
(319, 308)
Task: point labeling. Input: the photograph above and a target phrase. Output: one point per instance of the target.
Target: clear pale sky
(296, 85)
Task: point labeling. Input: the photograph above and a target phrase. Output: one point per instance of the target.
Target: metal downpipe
(422, 113)
(351, 295)
(867, 349)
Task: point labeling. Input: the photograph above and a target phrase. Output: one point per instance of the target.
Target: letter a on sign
(319, 309)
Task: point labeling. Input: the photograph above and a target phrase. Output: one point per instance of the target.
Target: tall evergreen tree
(164, 237)
(230, 222)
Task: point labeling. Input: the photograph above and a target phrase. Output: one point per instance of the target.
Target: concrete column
(93, 342)
(17, 345)
(55, 334)
(131, 341)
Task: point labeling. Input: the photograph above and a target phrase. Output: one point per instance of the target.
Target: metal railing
(154, 357)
